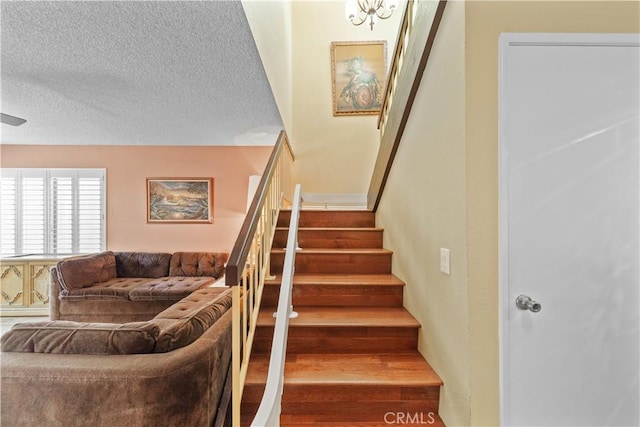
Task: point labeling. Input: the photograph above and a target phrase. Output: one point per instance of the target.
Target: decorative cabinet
(24, 285)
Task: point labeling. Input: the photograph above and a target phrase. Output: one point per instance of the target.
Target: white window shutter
(61, 201)
(52, 211)
(33, 215)
(90, 214)
(8, 214)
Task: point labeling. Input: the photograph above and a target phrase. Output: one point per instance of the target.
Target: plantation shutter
(90, 213)
(61, 214)
(8, 213)
(52, 211)
(33, 214)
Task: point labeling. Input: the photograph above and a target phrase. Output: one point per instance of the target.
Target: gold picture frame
(358, 77)
(179, 200)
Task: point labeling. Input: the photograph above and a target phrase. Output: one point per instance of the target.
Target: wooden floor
(352, 356)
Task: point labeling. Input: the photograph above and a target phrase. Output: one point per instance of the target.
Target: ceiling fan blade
(10, 120)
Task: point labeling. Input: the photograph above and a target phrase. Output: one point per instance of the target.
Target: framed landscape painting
(180, 200)
(358, 77)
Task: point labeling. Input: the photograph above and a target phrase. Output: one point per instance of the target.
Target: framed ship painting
(180, 200)
(358, 77)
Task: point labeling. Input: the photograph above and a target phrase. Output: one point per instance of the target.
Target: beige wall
(424, 209)
(333, 154)
(485, 21)
(270, 23)
(443, 191)
(127, 169)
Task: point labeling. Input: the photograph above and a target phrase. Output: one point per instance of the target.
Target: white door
(569, 229)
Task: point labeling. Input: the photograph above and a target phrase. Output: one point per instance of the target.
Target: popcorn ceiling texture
(133, 73)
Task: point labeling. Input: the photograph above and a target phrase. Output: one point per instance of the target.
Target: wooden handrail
(248, 265)
(417, 35)
(238, 257)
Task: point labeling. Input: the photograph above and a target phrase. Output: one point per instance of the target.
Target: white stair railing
(268, 414)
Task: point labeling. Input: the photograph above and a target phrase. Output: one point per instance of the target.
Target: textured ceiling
(133, 72)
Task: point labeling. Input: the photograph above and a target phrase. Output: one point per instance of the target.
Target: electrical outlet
(445, 261)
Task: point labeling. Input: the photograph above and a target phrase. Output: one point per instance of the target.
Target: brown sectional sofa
(128, 286)
(166, 370)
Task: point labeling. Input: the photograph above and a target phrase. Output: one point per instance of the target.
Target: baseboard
(334, 201)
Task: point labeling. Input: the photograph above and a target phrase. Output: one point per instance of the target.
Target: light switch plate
(445, 261)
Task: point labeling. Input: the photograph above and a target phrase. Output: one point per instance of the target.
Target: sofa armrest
(54, 294)
(67, 337)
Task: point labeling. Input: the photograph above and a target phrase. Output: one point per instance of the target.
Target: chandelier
(360, 11)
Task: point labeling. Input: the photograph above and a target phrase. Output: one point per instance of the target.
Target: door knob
(523, 302)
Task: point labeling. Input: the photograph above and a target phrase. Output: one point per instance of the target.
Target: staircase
(352, 356)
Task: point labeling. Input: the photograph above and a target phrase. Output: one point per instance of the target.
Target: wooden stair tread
(404, 369)
(303, 279)
(317, 289)
(344, 316)
(348, 251)
(329, 210)
(437, 422)
(421, 418)
(352, 354)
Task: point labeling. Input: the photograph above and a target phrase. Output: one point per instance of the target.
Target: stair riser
(351, 354)
(319, 393)
(358, 414)
(361, 411)
(253, 392)
(335, 239)
(401, 420)
(337, 295)
(303, 403)
(340, 340)
(338, 402)
(336, 263)
(248, 413)
(330, 393)
(311, 219)
(364, 416)
(332, 403)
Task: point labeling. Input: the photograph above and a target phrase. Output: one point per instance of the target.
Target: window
(52, 211)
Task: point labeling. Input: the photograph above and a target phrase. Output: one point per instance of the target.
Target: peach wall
(127, 169)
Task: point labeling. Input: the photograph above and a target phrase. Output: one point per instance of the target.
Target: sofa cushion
(67, 337)
(83, 271)
(142, 264)
(185, 321)
(168, 288)
(118, 288)
(197, 264)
